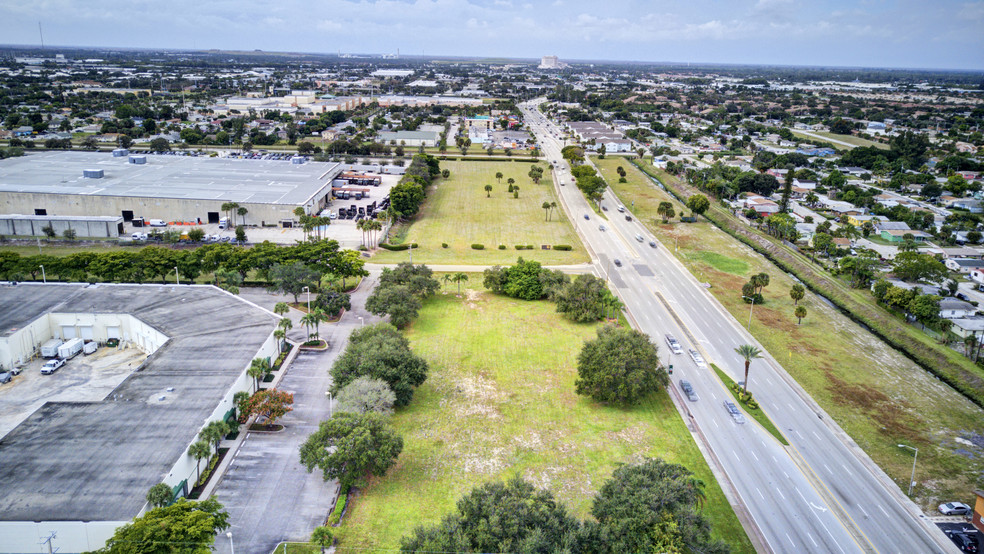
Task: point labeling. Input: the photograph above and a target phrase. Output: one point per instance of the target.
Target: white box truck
(90, 347)
(50, 348)
(70, 349)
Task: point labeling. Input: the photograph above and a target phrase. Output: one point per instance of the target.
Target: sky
(933, 34)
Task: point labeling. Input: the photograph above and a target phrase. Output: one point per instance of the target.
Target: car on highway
(51, 366)
(586, 216)
(618, 262)
(639, 238)
(954, 509)
(688, 389)
(628, 218)
(698, 359)
(621, 208)
(652, 244)
(6, 377)
(734, 411)
(601, 227)
(674, 344)
(604, 207)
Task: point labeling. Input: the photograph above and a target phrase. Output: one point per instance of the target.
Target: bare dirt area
(82, 379)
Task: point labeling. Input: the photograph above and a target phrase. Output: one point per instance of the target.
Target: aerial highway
(820, 493)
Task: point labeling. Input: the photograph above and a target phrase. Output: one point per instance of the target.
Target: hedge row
(336, 514)
(949, 367)
(397, 247)
(478, 247)
(524, 247)
(563, 247)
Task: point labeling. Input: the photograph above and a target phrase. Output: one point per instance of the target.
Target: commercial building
(408, 138)
(171, 188)
(80, 469)
(95, 226)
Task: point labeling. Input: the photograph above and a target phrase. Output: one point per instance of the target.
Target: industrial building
(167, 187)
(93, 226)
(80, 469)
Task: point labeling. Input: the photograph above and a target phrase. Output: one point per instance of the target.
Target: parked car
(954, 509)
(698, 359)
(673, 344)
(964, 541)
(6, 377)
(688, 389)
(51, 366)
(734, 411)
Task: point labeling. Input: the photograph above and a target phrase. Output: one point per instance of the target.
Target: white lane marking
(811, 539)
(790, 540)
(780, 493)
(801, 494)
(862, 511)
(753, 455)
(715, 396)
(847, 470)
(800, 434)
(786, 474)
(716, 423)
(736, 456)
(776, 461)
(760, 493)
(790, 406)
(828, 469)
(882, 509)
(816, 435)
(768, 380)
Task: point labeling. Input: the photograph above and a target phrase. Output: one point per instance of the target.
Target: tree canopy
(350, 446)
(619, 366)
(380, 352)
(192, 525)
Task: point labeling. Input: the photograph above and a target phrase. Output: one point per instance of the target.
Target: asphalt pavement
(819, 494)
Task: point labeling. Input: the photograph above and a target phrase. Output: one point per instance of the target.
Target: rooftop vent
(120, 153)
(138, 160)
(92, 173)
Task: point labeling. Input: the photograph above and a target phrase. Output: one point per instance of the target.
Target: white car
(698, 359)
(51, 366)
(674, 345)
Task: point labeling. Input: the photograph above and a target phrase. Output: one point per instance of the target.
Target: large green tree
(698, 203)
(380, 352)
(350, 447)
(913, 266)
(619, 366)
(185, 527)
(395, 301)
(584, 299)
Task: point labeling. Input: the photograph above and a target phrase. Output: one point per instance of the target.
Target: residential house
(967, 326)
(882, 225)
(897, 235)
(977, 276)
(762, 206)
(859, 220)
(24, 131)
(953, 308)
(963, 265)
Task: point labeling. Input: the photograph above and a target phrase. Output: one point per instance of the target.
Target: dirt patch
(774, 319)
(892, 414)
(472, 298)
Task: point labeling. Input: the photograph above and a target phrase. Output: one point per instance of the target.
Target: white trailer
(71, 348)
(50, 348)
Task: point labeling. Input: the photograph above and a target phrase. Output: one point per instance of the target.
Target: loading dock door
(85, 332)
(213, 217)
(68, 332)
(40, 211)
(128, 215)
(112, 332)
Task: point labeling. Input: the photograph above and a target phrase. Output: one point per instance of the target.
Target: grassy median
(500, 401)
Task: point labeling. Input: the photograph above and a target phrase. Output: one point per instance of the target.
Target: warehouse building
(80, 469)
(171, 188)
(93, 226)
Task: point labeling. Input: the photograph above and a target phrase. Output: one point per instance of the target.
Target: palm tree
(361, 226)
(546, 210)
(258, 369)
(375, 226)
(553, 205)
(515, 191)
(242, 212)
(750, 353)
(447, 278)
(322, 536)
(229, 207)
(697, 486)
(213, 433)
(199, 450)
(311, 321)
(498, 176)
(800, 313)
(281, 308)
(458, 278)
(510, 181)
(280, 335)
(488, 191)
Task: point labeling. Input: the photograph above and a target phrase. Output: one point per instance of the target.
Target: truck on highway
(70, 349)
(50, 348)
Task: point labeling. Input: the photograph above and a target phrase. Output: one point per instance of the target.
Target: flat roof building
(172, 188)
(83, 468)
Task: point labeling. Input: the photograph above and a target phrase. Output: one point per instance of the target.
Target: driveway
(269, 495)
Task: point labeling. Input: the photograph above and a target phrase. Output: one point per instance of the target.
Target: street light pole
(177, 279)
(44, 277)
(328, 394)
(232, 547)
(912, 479)
(308, 291)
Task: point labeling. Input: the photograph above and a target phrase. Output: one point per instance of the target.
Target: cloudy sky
(872, 33)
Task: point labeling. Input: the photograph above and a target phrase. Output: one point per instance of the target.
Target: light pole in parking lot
(914, 458)
(328, 394)
(44, 278)
(752, 298)
(177, 279)
(308, 291)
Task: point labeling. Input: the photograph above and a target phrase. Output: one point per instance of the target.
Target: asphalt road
(821, 493)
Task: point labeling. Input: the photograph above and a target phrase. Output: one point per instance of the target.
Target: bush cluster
(524, 247)
(562, 247)
(502, 247)
(478, 247)
(399, 247)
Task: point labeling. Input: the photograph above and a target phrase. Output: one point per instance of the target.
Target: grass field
(850, 139)
(877, 395)
(499, 401)
(458, 212)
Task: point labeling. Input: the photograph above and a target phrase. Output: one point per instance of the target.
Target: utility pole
(48, 540)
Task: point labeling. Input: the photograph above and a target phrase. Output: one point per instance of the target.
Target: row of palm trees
(456, 278)
(370, 227)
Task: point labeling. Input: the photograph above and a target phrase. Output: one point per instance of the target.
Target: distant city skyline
(945, 34)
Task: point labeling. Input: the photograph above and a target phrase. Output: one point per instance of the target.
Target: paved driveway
(269, 495)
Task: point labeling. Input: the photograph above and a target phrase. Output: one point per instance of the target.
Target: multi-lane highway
(820, 493)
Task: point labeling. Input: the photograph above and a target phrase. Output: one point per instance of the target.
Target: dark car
(652, 243)
(628, 218)
(618, 262)
(5, 377)
(586, 216)
(688, 389)
(964, 541)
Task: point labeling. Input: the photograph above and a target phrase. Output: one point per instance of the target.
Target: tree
(395, 301)
(665, 211)
(271, 404)
(69, 234)
(228, 208)
(620, 366)
(281, 308)
(213, 433)
(351, 446)
(698, 203)
(381, 352)
(419, 279)
(241, 234)
(196, 235)
(651, 507)
(800, 313)
(159, 495)
(546, 210)
(160, 145)
(258, 369)
(584, 299)
(199, 450)
(458, 278)
(322, 536)
(513, 516)
(366, 394)
(192, 525)
(515, 189)
(749, 353)
(797, 293)
(498, 176)
(913, 266)
(488, 191)
(292, 278)
(925, 308)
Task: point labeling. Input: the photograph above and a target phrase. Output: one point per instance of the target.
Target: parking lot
(81, 379)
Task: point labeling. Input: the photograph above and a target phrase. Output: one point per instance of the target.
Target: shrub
(520, 247)
(394, 247)
(563, 247)
(444, 245)
(502, 247)
(336, 514)
(478, 247)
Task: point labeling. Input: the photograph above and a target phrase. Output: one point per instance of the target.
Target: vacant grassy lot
(877, 395)
(499, 401)
(850, 139)
(460, 213)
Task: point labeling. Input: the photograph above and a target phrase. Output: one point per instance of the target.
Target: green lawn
(877, 395)
(850, 139)
(499, 401)
(458, 212)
